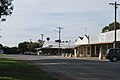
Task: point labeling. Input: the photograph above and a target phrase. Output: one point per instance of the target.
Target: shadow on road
(75, 69)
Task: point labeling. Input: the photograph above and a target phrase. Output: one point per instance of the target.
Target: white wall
(105, 37)
(79, 41)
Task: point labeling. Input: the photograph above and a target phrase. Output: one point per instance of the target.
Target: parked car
(113, 54)
(30, 53)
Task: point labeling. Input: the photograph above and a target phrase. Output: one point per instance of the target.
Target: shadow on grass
(17, 70)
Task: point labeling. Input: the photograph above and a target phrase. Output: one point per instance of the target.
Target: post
(95, 51)
(59, 52)
(90, 52)
(59, 39)
(115, 25)
(59, 31)
(100, 53)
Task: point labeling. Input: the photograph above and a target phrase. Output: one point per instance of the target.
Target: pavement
(87, 58)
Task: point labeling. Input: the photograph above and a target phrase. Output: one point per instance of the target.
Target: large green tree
(23, 46)
(32, 46)
(41, 42)
(11, 50)
(28, 46)
(6, 8)
(110, 27)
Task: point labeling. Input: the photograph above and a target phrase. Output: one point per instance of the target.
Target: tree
(27, 46)
(110, 27)
(6, 8)
(1, 46)
(23, 47)
(41, 42)
(11, 50)
(32, 46)
(47, 38)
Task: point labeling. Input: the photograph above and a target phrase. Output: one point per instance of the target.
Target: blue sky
(31, 18)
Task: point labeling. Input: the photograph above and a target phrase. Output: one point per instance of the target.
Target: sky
(31, 18)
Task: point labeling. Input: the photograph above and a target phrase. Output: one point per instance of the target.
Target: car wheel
(114, 59)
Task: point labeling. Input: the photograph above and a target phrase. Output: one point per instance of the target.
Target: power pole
(59, 31)
(115, 25)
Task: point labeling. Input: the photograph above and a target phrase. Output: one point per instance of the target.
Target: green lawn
(18, 70)
(2, 55)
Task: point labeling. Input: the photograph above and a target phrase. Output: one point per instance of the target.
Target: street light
(115, 25)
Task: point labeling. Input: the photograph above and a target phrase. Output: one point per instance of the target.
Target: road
(74, 69)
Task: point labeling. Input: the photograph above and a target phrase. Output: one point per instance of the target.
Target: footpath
(86, 58)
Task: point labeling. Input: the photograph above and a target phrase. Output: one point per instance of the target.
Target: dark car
(113, 54)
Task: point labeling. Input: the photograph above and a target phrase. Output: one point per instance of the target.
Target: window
(112, 51)
(118, 51)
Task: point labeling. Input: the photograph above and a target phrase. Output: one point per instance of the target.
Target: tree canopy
(6, 8)
(1, 46)
(110, 27)
(29, 46)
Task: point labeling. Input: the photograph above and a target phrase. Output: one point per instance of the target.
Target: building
(52, 48)
(91, 47)
(86, 46)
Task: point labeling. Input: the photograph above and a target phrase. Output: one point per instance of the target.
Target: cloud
(30, 18)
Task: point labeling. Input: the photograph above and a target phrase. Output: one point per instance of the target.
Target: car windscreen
(111, 51)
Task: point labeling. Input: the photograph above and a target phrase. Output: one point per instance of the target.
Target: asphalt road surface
(74, 69)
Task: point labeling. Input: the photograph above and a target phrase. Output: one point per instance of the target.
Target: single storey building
(92, 46)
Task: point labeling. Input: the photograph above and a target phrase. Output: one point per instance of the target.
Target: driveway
(74, 69)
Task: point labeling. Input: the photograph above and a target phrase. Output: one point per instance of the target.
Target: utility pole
(115, 25)
(59, 31)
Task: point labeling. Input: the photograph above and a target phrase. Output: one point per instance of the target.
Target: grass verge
(18, 70)
(2, 55)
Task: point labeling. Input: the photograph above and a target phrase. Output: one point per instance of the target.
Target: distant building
(52, 48)
(86, 46)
